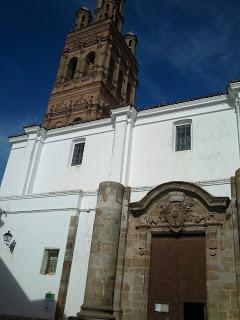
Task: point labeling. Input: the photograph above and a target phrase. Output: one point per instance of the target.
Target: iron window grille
(78, 154)
(183, 137)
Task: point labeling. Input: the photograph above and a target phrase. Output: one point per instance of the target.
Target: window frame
(74, 142)
(45, 261)
(180, 123)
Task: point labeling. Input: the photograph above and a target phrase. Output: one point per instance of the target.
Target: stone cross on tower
(97, 70)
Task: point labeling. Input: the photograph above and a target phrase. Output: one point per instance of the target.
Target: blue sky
(187, 48)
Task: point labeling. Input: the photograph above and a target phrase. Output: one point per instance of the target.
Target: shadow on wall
(1, 222)
(14, 303)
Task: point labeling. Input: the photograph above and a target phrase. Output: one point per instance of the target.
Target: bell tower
(97, 70)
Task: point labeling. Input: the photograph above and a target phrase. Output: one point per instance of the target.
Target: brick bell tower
(97, 70)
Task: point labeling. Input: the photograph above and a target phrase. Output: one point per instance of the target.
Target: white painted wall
(55, 172)
(214, 153)
(41, 191)
(25, 286)
(38, 222)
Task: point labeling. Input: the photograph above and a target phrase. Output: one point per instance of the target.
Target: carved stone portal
(177, 209)
(181, 209)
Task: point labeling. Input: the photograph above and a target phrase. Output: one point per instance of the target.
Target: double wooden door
(177, 283)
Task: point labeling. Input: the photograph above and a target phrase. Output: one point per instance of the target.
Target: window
(77, 120)
(111, 70)
(183, 137)
(89, 62)
(49, 263)
(129, 90)
(78, 154)
(120, 84)
(71, 68)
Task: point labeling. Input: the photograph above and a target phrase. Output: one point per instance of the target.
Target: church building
(110, 212)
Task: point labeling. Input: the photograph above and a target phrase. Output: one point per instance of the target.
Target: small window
(49, 263)
(183, 137)
(78, 154)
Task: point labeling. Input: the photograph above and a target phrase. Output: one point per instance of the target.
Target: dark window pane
(78, 154)
(183, 137)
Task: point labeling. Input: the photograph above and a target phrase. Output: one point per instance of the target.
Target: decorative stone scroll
(176, 205)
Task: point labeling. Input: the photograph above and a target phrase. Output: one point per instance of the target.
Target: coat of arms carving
(176, 211)
(174, 216)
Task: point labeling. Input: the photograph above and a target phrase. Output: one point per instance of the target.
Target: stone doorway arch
(175, 208)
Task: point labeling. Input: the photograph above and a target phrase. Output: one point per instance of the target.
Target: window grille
(183, 137)
(78, 154)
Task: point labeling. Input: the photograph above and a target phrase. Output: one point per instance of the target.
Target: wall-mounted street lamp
(7, 238)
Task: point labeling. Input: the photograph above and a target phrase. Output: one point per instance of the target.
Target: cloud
(201, 46)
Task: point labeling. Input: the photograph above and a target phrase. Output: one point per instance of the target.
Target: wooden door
(177, 283)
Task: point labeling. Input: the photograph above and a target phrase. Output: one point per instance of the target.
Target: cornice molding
(219, 204)
(79, 126)
(43, 195)
(202, 102)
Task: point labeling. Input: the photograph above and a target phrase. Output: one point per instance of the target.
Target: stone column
(62, 67)
(98, 300)
(80, 62)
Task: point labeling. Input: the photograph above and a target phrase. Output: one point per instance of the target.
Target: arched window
(111, 70)
(130, 43)
(71, 68)
(58, 125)
(77, 120)
(89, 62)
(83, 18)
(107, 8)
(120, 84)
(128, 96)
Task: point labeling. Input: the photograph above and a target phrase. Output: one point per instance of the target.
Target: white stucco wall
(214, 154)
(41, 222)
(41, 191)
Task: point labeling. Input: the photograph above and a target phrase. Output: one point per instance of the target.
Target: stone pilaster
(67, 265)
(98, 300)
(237, 192)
